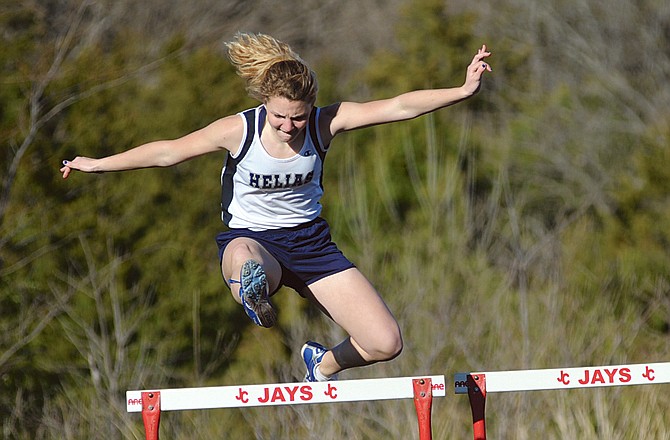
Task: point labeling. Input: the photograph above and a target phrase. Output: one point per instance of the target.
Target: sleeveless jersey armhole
(230, 166)
(315, 134)
(249, 117)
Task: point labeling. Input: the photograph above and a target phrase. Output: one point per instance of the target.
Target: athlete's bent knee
(387, 347)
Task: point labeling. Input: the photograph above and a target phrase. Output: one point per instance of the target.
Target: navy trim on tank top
(231, 166)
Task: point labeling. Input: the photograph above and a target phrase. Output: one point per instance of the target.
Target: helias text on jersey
(274, 181)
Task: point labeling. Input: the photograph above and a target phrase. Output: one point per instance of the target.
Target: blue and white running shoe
(254, 293)
(312, 354)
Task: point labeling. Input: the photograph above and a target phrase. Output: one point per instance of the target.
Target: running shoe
(312, 354)
(255, 296)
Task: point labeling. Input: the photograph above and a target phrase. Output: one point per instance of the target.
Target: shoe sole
(255, 288)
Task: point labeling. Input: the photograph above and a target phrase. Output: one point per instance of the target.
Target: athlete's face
(287, 118)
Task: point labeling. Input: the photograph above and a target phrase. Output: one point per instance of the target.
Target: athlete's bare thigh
(353, 303)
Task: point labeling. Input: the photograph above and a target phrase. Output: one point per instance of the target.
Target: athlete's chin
(287, 137)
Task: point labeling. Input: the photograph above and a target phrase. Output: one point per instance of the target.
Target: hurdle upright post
(423, 402)
(151, 413)
(477, 394)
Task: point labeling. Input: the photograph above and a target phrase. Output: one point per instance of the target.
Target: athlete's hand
(84, 164)
(476, 69)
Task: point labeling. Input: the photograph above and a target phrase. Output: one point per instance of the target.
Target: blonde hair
(271, 68)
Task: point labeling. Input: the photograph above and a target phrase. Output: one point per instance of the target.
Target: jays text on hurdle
(477, 385)
(422, 389)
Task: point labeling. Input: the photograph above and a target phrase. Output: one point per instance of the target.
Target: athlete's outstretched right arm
(347, 116)
(225, 133)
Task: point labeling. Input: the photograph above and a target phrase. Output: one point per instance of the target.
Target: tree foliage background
(525, 228)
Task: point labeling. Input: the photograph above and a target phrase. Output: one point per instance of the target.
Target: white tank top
(261, 192)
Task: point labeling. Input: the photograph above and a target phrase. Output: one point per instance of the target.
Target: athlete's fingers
(65, 169)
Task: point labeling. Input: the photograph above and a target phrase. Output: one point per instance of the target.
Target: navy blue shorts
(305, 252)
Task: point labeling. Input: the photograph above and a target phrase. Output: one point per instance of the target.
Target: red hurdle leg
(477, 393)
(423, 401)
(151, 413)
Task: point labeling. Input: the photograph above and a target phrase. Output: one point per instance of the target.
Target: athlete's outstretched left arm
(350, 115)
(225, 133)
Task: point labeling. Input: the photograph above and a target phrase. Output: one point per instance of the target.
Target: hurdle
(478, 385)
(422, 389)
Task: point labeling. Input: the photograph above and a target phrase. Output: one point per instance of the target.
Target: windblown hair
(271, 68)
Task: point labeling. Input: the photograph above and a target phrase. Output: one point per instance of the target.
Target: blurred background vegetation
(528, 227)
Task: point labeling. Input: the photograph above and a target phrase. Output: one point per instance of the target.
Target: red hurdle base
(423, 402)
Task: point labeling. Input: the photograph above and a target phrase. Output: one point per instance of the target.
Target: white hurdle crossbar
(477, 385)
(421, 388)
